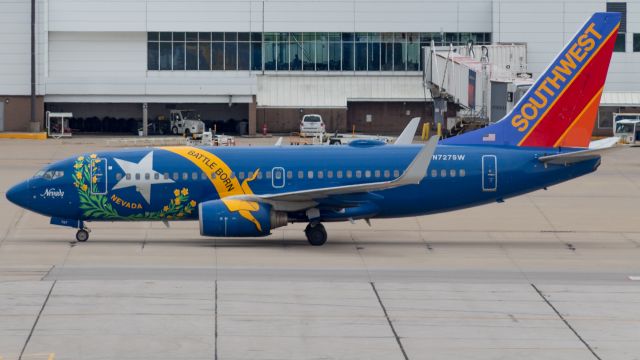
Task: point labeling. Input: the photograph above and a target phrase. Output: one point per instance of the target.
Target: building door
(277, 177)
(98, 176)
(1, 115)
(489, 173)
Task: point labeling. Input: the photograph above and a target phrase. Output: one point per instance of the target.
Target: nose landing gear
(316, 234)
(82, 235)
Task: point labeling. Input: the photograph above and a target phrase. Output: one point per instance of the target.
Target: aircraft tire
(82, 235)
(316, 235)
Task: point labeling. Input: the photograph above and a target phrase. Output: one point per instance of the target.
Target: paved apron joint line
(566, 322)
(215, 343)
(386, 315)
(35, 323)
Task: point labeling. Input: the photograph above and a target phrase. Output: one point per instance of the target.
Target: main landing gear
(316, 234)
(82, 235)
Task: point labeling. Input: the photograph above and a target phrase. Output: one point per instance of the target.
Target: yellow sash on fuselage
(222, 178)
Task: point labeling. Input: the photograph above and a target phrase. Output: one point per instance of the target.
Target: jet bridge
(485, 82)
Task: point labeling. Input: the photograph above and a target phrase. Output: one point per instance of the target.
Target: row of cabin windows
(310, 174)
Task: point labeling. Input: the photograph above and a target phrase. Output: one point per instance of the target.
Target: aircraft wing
(596, 148)
(298, 200)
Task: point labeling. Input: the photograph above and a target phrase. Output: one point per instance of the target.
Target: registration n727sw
(249, 191)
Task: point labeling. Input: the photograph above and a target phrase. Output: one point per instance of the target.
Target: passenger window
(213, 175)
(260, 175)
(310, 174)
(268, 175)
(443, 173)
(358, 174)
(452, 172)
(194, 176)
(176, 176)
(166, 176)
(434, 173)
(387, 174)
(377, 173)
(185, 176)
(330, 174)
(300, 174)
(396, 173)
(349, 174)
(156, 176)
(203, 176)
(137, 176)
(128, 176)
(289, 174)
(250, 174)
(462, 173)
(339, 174)
(320, 174)
(367, 173)
(147, 176)
(118, 176)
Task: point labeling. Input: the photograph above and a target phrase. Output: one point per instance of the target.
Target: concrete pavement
(549, 275)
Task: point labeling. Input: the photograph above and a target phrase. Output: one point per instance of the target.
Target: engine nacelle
(238, 218)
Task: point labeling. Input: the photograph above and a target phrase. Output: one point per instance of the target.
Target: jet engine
(238, 218)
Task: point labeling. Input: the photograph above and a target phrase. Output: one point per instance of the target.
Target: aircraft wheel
(82, 235)
(316, 235)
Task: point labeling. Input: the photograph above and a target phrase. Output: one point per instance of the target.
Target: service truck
(186, 122)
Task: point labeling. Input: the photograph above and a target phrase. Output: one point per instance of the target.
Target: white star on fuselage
(143, 167)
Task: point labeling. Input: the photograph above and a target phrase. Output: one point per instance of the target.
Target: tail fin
(560, 109)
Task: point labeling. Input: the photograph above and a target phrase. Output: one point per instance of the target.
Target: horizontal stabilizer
(596, 148)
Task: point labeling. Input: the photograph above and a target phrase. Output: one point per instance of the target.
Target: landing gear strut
(316, 234)
(82, 235)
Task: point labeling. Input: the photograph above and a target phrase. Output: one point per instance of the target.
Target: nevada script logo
(52, 193)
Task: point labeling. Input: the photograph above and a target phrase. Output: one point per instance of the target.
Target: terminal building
(358, 63)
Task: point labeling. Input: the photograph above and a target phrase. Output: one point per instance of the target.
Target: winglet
(406, 138)
(416, 171)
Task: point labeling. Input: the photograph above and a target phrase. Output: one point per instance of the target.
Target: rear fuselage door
(277, 177)
(489, 173)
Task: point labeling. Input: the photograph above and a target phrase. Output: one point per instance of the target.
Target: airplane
(249, 191)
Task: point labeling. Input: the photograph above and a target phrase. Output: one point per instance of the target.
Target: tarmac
(549, 275)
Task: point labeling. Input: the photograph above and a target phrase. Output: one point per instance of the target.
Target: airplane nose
(19, 194)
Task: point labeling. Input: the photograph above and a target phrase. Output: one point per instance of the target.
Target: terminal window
(296, 51)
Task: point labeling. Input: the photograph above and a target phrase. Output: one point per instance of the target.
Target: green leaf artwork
(98, 206)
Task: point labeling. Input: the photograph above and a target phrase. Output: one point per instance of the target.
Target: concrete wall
(17, 112)
(546, 26)
(387, 117)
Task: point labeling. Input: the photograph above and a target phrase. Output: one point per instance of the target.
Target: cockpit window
(49, 174)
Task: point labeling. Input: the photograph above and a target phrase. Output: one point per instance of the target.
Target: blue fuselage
(114, 185)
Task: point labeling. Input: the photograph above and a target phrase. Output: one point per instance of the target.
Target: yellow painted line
(614, 31)
(575, 121)
(23, 135)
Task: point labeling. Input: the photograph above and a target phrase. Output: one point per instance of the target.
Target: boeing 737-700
(249, 191)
